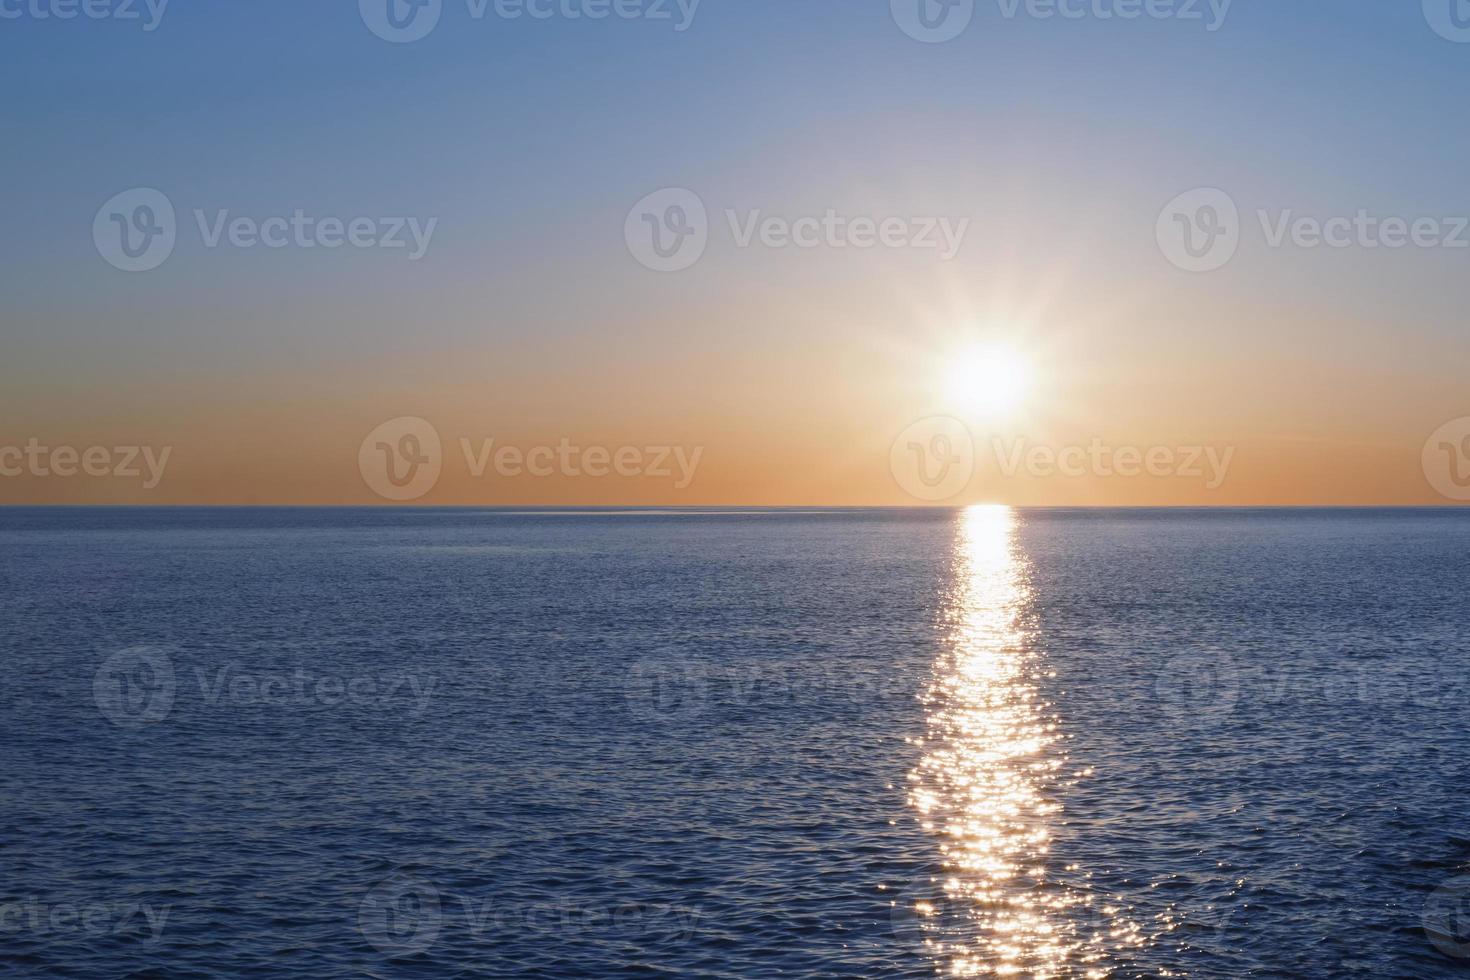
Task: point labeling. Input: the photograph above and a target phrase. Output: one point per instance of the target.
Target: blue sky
(529, 137)
(529, 140)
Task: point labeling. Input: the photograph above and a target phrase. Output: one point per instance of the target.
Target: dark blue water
(468, 743)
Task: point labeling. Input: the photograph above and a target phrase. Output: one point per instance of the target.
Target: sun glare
(993, 379)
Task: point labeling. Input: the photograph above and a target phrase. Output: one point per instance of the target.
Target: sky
(763, 252)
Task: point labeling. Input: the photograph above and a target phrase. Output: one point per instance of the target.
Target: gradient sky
(529, 321)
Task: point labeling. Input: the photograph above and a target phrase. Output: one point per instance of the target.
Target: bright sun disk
(993, 379)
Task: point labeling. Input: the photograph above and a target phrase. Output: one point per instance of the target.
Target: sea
(734, 743)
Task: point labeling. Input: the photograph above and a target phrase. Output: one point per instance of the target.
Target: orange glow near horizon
(780, 419)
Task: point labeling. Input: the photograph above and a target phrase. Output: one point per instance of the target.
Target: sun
(994, 379)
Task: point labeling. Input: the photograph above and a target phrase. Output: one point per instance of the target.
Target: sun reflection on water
(985, 786)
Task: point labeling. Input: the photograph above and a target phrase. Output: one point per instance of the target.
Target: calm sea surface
(445, 743)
